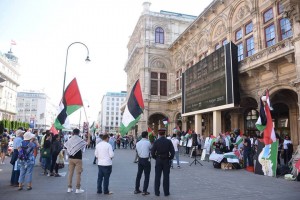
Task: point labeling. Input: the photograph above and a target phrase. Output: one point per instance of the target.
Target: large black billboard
(212, 83)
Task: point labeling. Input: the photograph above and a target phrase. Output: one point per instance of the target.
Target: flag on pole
(12, 42)
(262, 119)
(133, 109)
(151, 135)
(166, 121)
(53, 130)
(71, 102)
(269, 133)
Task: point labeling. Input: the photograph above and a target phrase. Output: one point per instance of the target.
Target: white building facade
(9, 81)
(110, 115)
(36, 109)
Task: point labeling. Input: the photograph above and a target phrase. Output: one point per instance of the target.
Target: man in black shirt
(162, 151)
(247, 151)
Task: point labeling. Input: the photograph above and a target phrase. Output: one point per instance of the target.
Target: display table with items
(225, 161)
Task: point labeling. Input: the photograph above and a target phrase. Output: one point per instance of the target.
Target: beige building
(9, 82)
(267, 35)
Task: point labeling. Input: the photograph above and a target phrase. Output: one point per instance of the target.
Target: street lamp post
(87, 60)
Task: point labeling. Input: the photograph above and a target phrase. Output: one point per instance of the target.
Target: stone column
(217, 122)
(198, 124)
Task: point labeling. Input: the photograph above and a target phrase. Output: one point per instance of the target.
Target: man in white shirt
(175, 143)
(143, 150)
(104, 155)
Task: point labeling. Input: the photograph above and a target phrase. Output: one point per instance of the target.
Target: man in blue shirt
(143, 150)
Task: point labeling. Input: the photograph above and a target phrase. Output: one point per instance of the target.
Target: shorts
(4, 149)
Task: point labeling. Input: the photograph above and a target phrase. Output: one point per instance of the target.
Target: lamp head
(87, 59)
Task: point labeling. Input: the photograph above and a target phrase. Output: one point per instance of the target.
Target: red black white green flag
(70, 103)
(133, 109)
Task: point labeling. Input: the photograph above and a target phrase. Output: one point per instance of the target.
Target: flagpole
(88, 141)
(87, 60)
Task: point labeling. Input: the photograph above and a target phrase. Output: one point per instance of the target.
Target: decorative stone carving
(273, 67)
(202, 44)
(219, 30)
(178, 61)
(189, 54)
(242, 12)
(158, 64)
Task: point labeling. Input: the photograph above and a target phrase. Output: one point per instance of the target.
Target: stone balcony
(282, 49)
(175, 96)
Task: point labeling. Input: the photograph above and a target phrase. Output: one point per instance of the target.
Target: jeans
(47, 163)
(26, 171)
(247, 156)
(53, 164)
(103, 173)
(144, 165)
(15, 174)
(177, 158)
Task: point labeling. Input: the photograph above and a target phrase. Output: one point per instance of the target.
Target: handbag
(60, 160)
(46, 153)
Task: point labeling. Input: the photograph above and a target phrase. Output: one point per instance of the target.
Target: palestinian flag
(70, 103)
(151, 135)
(53, 130)
(262, 119)
(269, 133)
(133, 109)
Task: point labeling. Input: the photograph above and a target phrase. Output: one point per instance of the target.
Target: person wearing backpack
(4, 139)
(26, 160)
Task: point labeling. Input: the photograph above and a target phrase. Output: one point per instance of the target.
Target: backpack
(4, 141)
(23, 153)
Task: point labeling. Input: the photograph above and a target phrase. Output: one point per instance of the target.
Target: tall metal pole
(87, 59)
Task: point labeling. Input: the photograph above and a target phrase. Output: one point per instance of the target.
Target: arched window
(159, 35)
(251, 117)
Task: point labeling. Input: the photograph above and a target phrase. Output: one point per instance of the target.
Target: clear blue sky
(43, 29)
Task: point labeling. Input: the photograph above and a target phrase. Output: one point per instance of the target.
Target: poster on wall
(266, 163)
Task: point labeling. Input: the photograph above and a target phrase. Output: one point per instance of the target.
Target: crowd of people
(163, 148)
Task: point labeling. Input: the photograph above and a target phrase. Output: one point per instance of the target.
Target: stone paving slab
(189, 182)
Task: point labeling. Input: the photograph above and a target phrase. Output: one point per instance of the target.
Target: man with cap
(162, 151)
(15, 170)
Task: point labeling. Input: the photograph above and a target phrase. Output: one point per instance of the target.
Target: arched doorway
(250, 115)
(280, 115)
(155, 121)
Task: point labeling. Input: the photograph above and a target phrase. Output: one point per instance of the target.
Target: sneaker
(79, 191)
(178, 167)
(70, 190)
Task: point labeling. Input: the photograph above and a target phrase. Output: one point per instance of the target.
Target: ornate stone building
(150, 61)
(267, 34)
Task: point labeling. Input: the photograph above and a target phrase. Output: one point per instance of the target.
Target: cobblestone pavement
(189, 182)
